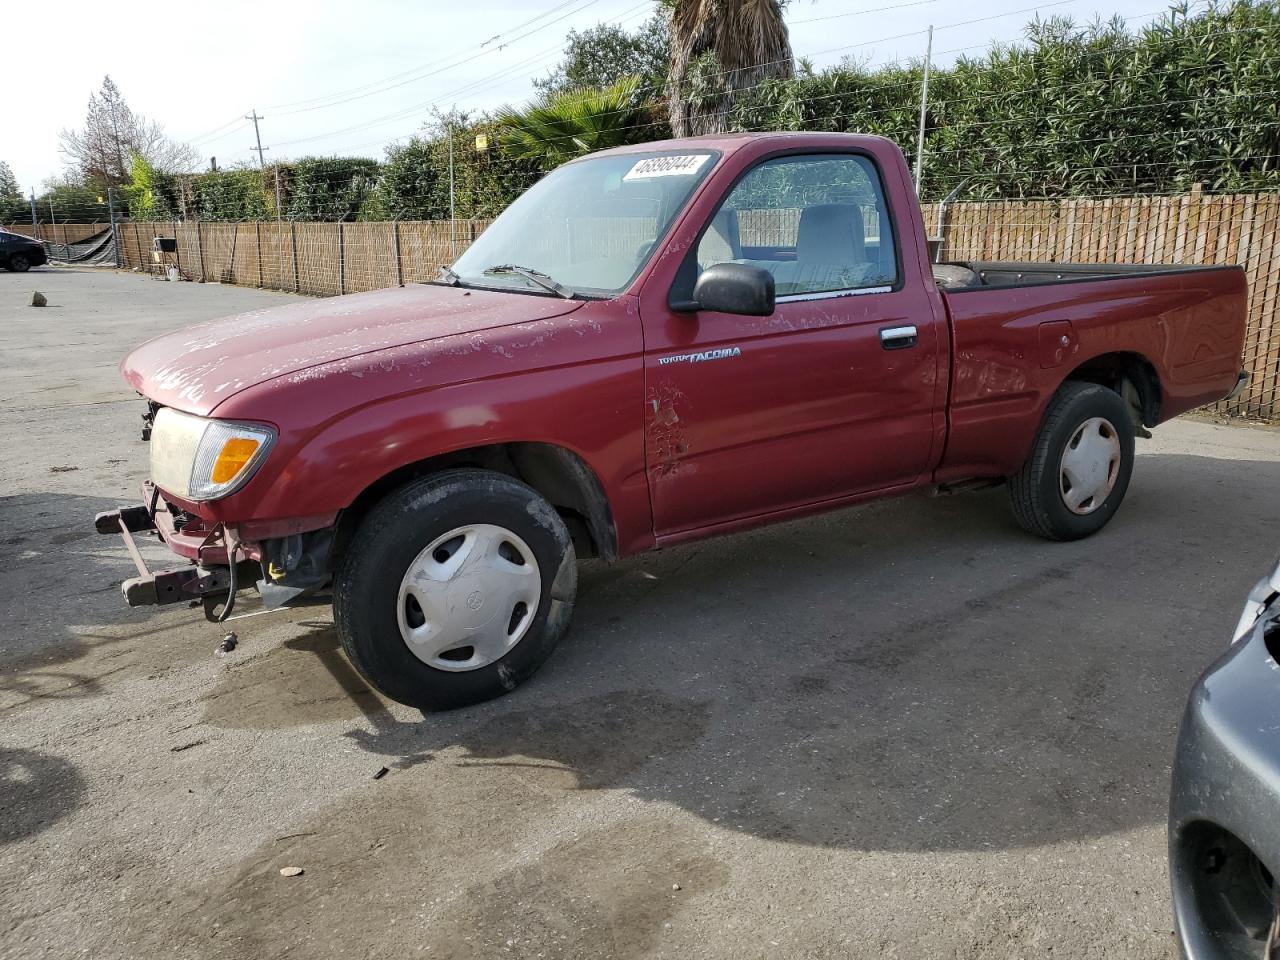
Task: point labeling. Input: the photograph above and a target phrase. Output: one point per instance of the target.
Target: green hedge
(1070, 111)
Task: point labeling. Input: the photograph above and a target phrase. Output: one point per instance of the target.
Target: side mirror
(734, 288)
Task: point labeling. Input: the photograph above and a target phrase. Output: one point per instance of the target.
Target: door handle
(899, 338)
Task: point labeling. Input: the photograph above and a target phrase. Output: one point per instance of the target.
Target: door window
(817, 223)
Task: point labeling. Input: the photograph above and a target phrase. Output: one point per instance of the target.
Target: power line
(407, 73)
(439, 69)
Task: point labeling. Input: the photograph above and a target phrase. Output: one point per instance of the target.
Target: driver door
(833, 395)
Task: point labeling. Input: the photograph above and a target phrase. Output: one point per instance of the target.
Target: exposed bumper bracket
(165, 586)
(173, 586)
(132, 519)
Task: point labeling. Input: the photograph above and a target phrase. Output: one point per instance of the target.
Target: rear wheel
(1079, 468)
(19, 263)
(455, 589)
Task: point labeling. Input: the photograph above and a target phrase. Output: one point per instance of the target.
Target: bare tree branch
(112, 134)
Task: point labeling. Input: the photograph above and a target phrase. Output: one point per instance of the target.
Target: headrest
(831, 233)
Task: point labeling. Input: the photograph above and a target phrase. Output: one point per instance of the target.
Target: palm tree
(566, 125)
(718, 47)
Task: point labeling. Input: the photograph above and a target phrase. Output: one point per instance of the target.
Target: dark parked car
(19, 253)
(1224, 814)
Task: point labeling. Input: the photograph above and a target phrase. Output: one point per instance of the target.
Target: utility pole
(257, 136)
(924, 105)
(34, 223)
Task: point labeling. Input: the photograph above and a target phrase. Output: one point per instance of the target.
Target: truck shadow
(909, 676)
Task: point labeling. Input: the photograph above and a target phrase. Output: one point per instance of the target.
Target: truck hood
(197, 368)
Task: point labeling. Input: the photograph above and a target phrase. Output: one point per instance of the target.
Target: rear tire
(444, 561)
(1079, 469)
(18, 263)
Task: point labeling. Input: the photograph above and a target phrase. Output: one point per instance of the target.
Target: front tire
(18, 263)
(1079, 469)
(455, 589)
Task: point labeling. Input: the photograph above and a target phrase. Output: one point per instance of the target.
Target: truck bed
(1025, 327)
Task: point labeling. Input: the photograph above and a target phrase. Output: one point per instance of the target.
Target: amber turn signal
(233, 456)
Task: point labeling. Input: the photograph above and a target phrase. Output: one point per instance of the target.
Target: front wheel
(1079, 468)
(455, 589)
(18, 263)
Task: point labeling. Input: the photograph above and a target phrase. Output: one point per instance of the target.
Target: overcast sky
(336, 78)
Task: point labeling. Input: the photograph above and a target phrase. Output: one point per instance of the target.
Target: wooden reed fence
(58, 232)
(326, 259)
(322, 259)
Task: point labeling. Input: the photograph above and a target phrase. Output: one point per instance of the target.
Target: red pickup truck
(654, 344)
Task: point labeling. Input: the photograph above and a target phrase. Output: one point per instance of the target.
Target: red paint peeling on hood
(197, 368)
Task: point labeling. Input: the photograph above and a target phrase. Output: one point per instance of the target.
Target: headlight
(200, 459)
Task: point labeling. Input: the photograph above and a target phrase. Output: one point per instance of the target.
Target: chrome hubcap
(1090, 465)
(469, 597)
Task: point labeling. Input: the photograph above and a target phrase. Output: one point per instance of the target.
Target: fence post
(200, 251)
(1197, 226)
(257, 226)
(342, 263)
(177, 250)
(111, 212)
(395, 239)
(137, 242)
(293, 242)
(231, 264)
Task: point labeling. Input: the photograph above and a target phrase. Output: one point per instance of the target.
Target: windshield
(589, 225)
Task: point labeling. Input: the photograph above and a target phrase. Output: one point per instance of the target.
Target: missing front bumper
(287, 570)
(194, 582)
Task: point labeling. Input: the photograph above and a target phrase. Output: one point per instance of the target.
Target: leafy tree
(149, 192)
(101, 152)
(327, 188)
(566, 125)
(415, 177)
(13, 206)
(605, 54)
(66, 200)
(718, 48)
(236, 194)
(1069, 111)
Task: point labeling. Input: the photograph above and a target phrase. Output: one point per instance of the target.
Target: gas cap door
(1057, 343)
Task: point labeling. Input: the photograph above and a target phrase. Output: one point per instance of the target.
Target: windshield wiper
(534, 276)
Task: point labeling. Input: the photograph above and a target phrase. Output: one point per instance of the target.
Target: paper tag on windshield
(681, 166)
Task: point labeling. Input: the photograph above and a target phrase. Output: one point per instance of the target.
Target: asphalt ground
(900, 730)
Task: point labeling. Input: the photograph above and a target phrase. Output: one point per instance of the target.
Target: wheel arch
(559, 474)
(1119, 368)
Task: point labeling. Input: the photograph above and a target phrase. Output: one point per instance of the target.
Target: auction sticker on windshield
(681, 166)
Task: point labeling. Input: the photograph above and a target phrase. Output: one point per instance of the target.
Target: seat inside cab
(829, 252)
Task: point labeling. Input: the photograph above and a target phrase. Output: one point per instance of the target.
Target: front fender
(576, 383)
